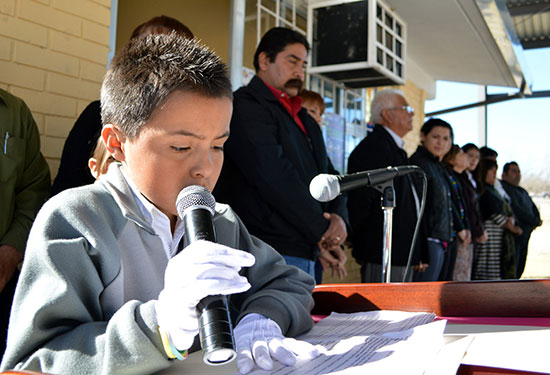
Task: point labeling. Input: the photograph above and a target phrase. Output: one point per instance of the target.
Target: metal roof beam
(522, 9)
(492, 99)
(538, 42)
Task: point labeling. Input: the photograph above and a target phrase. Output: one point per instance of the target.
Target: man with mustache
(274, 151)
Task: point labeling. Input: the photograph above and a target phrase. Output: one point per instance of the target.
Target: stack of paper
(374, 342)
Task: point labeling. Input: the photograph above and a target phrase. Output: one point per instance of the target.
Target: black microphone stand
(387, 202)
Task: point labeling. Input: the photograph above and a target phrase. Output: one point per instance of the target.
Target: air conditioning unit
(361, 43)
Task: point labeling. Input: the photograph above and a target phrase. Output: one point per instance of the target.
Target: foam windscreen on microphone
(195, 196)
(324, 187)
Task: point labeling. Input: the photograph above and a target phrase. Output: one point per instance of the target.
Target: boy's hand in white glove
(260, 340)
(202, 269)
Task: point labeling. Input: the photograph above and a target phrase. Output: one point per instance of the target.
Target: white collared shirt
(471, 178)
(397, 139)
(158, 220)
(498, 187)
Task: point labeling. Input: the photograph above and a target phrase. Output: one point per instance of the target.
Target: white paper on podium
(374, 342)
(523, 349)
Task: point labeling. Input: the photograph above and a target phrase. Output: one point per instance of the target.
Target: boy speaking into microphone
(106, 285)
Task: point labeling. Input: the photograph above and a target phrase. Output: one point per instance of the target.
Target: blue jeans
(304, 264)
(319, 272)
(436, 251)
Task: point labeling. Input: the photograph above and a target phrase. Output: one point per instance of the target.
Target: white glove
(259, 339)
(201, 269)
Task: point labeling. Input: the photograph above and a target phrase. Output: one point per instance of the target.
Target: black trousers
(522, 244)
(449, 261)
(6, 299)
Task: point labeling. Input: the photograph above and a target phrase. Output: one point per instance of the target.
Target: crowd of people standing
(474, 226)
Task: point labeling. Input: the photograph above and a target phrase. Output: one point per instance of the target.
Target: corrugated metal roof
(531, 19)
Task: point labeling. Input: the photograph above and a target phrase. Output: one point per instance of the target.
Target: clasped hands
(465, 236)
(332, 256)
(206, 268)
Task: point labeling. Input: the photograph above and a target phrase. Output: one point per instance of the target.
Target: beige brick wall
(53, 55)
(416, 98)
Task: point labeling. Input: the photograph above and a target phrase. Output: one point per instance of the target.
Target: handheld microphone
(326, 187)
(195, 206)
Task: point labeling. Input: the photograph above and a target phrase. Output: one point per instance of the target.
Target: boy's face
(180, 145)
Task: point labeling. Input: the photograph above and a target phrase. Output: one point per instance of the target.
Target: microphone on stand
(326, 187)
(195, 206)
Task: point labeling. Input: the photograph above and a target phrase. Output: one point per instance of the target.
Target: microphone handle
(198, 225)
(374, 177)
(367, 178)
(215, 329)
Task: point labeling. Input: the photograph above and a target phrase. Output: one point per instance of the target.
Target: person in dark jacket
(435, 136)
(382, 148)
(471, 193)
(456, 162)
(315, 106)
(275, 149)
(495, 259)
(525, 211)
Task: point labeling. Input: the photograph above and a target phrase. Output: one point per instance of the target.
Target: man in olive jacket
(275, 149)
(24, 186)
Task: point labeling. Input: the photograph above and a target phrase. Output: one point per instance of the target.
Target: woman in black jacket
(437, 223)
(495, 258)
(471, 191)
(456, 161)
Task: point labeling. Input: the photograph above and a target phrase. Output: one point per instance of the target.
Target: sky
(518, 129)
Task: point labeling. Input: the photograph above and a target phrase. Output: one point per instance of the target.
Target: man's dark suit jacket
(269, 163)
(78, 148)
(379, 150)
(525, 210)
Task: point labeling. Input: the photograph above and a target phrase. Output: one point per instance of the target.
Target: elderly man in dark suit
(382, 148)
(274, 151)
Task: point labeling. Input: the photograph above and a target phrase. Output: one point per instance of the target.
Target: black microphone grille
(195, 196)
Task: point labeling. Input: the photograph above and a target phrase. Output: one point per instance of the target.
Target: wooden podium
(518, 299)
(514, 299)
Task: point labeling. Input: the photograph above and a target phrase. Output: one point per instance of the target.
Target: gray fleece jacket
(84, 305)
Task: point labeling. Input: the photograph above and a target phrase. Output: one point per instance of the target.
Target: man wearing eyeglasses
(392, 117)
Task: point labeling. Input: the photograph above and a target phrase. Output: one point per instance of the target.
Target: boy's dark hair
(487, 152)
(162, 25)
(275, 40)
(147, 69)
(508, 165)
(469, 146)
(432, 123)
